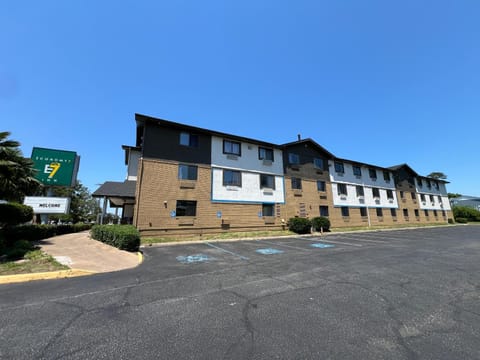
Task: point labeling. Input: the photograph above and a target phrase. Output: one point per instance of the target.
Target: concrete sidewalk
(80, 252)
(83, 255)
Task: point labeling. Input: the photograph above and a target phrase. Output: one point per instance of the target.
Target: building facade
(191, 180)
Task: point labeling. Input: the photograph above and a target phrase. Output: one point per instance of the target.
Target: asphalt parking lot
(403, 294)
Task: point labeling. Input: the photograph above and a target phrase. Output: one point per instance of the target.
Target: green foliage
(12, 214)
(19, 249)
(453, 195)
(465, 212)
(321, 223)
(451, 221)
(17, 174)
(437, 175)
(299, 225)
(124, 237)
(461, 220)
(39, 232)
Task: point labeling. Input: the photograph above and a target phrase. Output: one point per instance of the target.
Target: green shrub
(124, 237)
(299, 225)
(19, 249)
(465, 212)
(461, 220)
(320, 223)
(39, 232)
(12, 214)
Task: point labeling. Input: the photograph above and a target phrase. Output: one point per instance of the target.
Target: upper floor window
(296, 183)
(375, 192)
(187, 172)
(293, 158)
(232, 178)
(432, 199)
(389, 194)
(440, 199)
(267, 181)
(372, 173)
(419, 181)
(339, 167)
(232, 147)
(321, 185)
(187, 139)
(422, 197)
(357, 171)
(319, 163)
(437, 186)
(386, 176)
(360, 191)
(413, 196)
(429, 184)
(342, 189)
(186, 208)
(265, 153)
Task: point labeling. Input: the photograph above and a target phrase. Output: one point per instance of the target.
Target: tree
(453, 195)
(437, 175)
(83, 207)
(17, 174)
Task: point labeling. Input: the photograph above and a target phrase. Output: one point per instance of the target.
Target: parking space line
(366, 240)
(278, 244)
(227, 251)
(331, 241)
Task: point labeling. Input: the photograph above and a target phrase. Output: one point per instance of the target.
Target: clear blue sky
(381, 82)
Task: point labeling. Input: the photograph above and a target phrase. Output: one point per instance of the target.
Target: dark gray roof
(116, 188)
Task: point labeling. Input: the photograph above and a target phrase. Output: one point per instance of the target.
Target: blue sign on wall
(173, 213)
(219, 214)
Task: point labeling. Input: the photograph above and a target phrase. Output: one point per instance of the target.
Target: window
(426, 213)
(363, 212)
(345, 211)
(386, 176)
(357, 171)
(187, 172)
(187, 139)
(268, 210)
(232, 147)
(417, 213)
(186, 208)
(435, 213)
(375, 192)
(339, 167)
(342, 189)
(379, 212)
(360, 191)
(401, 194)
(432, 199)
(419, 181)
(296, 183)
(265, 154)
(440, 199)
(429, 184)
(321, 185)
(405, 212)
(267, 181)
(393, 212)
(413, 196)
(293, 159)
(436, 185)
(232, 178)
(422, 197)
(372, 173)
(323, 210)
(318, 163)
(389, 194)
(444, 214)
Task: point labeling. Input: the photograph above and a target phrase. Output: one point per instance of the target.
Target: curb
(140, 257)
(10, 279)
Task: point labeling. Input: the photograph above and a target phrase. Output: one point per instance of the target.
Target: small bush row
(39, 232)
(123, 237)
(304, 225)
(462, 213)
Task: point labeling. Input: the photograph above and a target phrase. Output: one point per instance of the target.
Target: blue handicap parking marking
(196, 258)
(322, 245)
(269, 251)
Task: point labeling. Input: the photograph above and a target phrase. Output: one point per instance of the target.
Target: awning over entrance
(120, 195)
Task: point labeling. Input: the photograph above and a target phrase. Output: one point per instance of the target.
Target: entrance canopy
(119, 195)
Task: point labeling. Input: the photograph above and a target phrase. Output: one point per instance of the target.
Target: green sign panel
(55, 167)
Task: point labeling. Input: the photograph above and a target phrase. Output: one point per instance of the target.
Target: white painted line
(288, 246)
(330, 241)
(227, 251)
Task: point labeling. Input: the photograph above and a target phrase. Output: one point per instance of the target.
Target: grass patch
(34, 261)
(219, 236)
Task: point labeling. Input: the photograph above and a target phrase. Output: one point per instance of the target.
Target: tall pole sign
(55, 167)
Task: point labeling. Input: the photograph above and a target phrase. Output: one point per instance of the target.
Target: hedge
(39, 232)
(12, 214)
(299, 225)
(320, 223)
(465, 212)
(124, 237)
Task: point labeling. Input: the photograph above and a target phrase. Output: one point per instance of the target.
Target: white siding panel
(349, 177)
(368, 200)
(249, 191)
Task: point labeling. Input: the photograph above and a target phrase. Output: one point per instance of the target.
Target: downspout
(138, 192)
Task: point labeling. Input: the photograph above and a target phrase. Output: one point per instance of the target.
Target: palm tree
(17, 174)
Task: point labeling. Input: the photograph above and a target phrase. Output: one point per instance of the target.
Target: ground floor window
(426, 213)
(363, 212)
(268, 210)
(324, 210)
(393, 212)
(379, 212)
(417, 213)
(186, 208)
(345, 211)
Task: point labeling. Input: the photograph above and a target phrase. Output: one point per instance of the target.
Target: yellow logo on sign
(51, 169)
